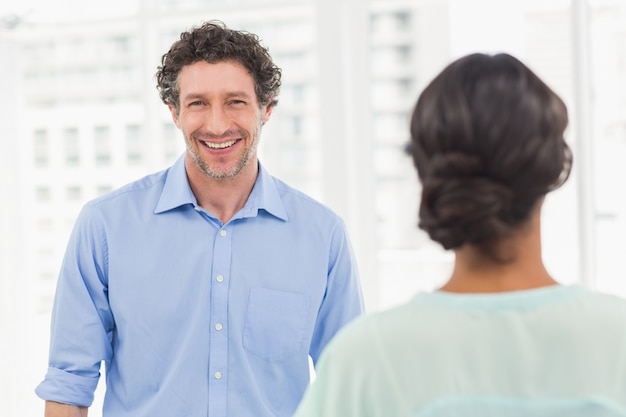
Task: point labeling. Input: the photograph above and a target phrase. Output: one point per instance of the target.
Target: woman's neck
(476, 272)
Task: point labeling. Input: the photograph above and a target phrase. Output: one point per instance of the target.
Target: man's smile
(221, 145)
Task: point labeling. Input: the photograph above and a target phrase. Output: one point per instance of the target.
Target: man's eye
(195, 103)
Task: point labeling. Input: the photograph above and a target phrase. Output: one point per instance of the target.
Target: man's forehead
(216, 79)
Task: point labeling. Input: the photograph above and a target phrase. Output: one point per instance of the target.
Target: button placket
(218, 350)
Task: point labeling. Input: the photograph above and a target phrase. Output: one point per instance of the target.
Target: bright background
(80, 115)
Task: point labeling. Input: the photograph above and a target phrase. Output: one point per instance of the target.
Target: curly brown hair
(213, 42)
(487, 142)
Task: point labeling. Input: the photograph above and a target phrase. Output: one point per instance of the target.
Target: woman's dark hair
(487, 142)
(213, 42)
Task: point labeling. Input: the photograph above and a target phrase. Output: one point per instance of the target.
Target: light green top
(552, 351)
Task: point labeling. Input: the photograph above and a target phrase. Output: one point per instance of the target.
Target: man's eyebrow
(230, 94)
(237, 94)
(192, 96)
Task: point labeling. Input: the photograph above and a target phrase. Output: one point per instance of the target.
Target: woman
(501, 337)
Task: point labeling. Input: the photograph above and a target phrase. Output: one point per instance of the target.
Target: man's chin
(224, 174)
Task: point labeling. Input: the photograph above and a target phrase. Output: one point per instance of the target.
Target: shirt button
(218, 326)
(218, 375)
(222, 233)
(219, 278)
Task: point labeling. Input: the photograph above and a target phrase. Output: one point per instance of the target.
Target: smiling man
(221, 119)
(203, 288)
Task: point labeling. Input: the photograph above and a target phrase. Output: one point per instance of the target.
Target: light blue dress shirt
(557, 351)
(193, 317)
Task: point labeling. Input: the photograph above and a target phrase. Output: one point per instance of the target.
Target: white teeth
(220, 145)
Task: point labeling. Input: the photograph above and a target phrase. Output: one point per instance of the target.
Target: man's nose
(217, 121)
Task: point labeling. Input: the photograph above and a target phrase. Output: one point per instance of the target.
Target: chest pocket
(483, 406)
(275, 327)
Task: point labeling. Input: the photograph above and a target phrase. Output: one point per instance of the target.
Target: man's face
(220, 117)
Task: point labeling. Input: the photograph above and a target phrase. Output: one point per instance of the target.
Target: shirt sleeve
(343, 300)
(82, 323)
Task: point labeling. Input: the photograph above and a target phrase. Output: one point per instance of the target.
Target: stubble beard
(225, 174)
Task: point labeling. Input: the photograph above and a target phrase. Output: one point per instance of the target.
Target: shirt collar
(264, 196)
(176, 190)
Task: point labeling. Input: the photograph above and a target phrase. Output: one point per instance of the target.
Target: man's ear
(267, 111)
(174, 113)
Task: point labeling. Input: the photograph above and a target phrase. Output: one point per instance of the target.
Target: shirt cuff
(67, 388)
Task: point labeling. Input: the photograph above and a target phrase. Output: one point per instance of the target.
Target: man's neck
(223, 197)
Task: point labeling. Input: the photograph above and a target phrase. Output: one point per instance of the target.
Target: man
(204, 288)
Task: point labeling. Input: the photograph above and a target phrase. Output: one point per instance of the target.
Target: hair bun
(461, 205)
